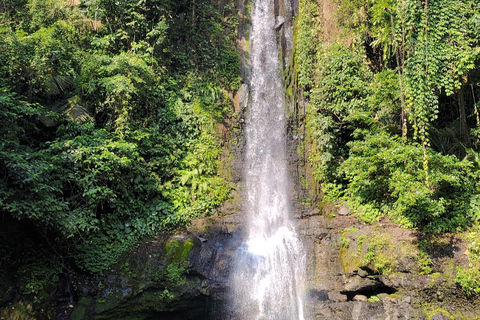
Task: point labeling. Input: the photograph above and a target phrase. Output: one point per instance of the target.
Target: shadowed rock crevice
(368, 292)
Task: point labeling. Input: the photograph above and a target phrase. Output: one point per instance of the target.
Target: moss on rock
(177, 250)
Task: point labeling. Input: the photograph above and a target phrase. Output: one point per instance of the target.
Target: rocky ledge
(354, 270)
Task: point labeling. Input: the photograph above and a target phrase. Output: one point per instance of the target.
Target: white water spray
(269, 267)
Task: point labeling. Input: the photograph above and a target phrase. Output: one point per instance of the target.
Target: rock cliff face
(359, 271)
(354, 271)
(182, 275)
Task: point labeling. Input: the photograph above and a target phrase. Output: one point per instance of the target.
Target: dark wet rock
(279, 21)
(321, 295)
(177, 276)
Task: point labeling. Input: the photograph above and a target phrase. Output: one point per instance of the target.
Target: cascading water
(269, 267)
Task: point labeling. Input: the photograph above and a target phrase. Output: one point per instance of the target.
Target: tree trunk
(475, 106)
(193, 15)
(464, 130)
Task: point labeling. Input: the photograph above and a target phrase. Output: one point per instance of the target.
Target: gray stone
(361, 298)
(383, 296)
(344, 210)
(243, 93)
(279, 21)
(357, 283)
(362, 273)
(336, 296)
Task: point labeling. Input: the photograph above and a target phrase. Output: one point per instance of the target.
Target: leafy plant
(404, 69)
(110, 113)
(469, 278)
(341, 90)
(424, 262)
(380, 256)
(19, 311)
(386, 174)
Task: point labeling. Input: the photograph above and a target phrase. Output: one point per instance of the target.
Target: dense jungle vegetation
(392, 120)
(109, 116)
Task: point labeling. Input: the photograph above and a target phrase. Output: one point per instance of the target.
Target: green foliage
(308, 31)
(44, 13)
(385, 16)
(41, 64)
(469, 278)
(342, 89)
(408, 77)
(117, 89)
(344, 242)
(175, 276)
(385, 101)
(424, 262)
(19, 311)
(385, 173)
(353, 15)
(381, 256)
(109, 116)
(40, 273)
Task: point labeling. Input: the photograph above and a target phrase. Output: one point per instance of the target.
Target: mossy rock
(350, 259)
(149, 280)
(82, 309)
(352, 250)
(379, 252)
(177, 250)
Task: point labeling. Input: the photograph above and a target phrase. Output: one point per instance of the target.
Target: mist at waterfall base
(269, 267)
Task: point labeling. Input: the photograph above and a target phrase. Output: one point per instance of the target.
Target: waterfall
(270, 265)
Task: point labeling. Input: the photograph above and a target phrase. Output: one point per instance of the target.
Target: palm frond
(59, 84)
(447, 140)
(76, 110)
(73, 108)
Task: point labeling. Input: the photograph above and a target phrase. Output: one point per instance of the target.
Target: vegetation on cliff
(392, 116)
(110, 113)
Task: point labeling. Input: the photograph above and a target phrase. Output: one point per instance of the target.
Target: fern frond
(369, 122)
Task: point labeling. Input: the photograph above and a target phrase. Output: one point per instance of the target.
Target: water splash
(270, 266)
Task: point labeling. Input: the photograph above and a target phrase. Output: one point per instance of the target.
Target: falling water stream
(269, 267)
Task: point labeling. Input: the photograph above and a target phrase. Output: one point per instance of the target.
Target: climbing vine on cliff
(392, 124)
